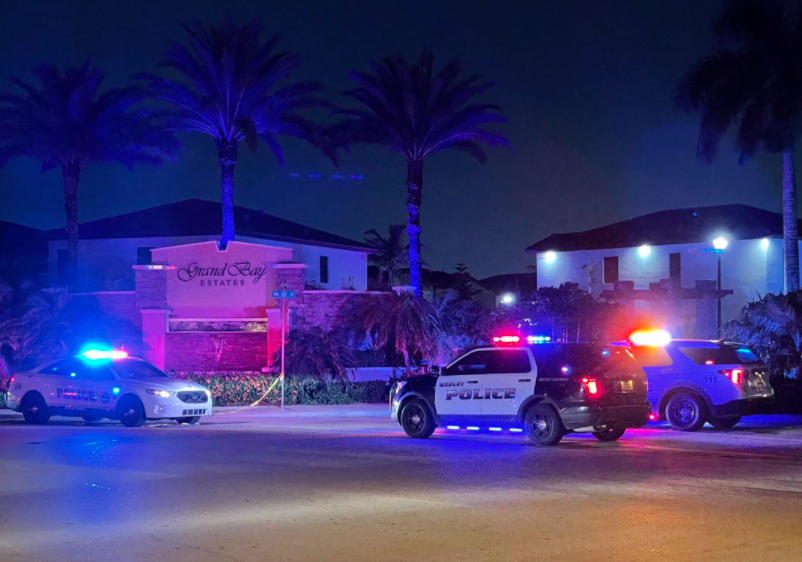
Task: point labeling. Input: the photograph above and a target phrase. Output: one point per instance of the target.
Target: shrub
(240, 389)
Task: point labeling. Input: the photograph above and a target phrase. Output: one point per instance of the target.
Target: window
(62, 266)
(650, 356)
(80, 369)
(491, 361)
(722, 354)
(143, 255)
(611, 269)
(324, 269)
(675, 266)
(136, 369)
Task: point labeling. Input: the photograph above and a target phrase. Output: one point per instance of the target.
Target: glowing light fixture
(509, 339)
(452, 427)
(516, 430)
(508, 299)
(764, 244)
(100, 354)
(721, 243)
(472, 428)
(645, 251)
(550, 256)
(494, 428)
(115, 390)
(655, 338)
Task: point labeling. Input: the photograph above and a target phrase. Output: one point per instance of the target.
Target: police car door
(54, 380)
(459, 386)
(511, 381)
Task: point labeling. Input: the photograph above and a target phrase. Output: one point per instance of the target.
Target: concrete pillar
(154, 334)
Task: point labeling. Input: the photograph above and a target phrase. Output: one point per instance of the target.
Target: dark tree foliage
(753, 82)
(389, 252)
(66, 120)
(229, 83)
(310, 350)
(415, 109)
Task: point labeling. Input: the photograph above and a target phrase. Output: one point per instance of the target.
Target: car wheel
(610, 433)
(543, 425)
(417, 420)
(188, 421)
(90, 419)
(131, 412)
(686, 412)
(724, 423)
(35, 410)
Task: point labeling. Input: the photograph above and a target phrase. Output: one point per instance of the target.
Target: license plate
(626, 386)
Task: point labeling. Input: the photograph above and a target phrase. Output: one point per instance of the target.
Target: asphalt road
(251, 488)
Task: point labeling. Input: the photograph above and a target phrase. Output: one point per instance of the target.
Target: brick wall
(224, 351)
(330, 309)
(151, 288)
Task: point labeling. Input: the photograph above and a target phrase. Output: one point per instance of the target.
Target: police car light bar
(507, 338)
(538, 339)
(650, 338)
(100, 354)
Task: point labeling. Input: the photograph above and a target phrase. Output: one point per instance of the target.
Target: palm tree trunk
(71, 174)
(790, 225)
(414, 187)
(227, 153)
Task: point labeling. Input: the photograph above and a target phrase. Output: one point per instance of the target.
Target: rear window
(721, 354)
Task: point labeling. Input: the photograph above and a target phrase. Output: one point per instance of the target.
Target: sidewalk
(329, 411)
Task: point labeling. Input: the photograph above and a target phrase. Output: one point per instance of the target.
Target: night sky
(586, 85)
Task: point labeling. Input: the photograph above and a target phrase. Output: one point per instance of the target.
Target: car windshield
(136, 369)
(721, 354)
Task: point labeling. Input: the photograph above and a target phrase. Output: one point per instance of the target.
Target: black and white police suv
(518, 386)
(106, 384)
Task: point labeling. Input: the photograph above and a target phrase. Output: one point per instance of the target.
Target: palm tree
(313, 351)
(390, 251)
(404, 321)
(66, 121)
(229, 84)
(753, 81)
(415, 110)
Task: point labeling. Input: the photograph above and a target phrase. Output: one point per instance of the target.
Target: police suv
(542, 389)
(696, 381)
(106, 384)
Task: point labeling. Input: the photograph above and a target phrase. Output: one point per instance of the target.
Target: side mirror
(437, 370)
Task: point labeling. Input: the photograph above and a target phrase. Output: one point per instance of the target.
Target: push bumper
(174, 408)
(744, 407)
(631, 415)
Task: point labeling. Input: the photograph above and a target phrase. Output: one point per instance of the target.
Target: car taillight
(591, 386)
(735, 375)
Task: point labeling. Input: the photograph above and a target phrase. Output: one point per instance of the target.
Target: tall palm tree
(753, 81)
(390, 251)
(415, 110)
(228, 83)
(66, 120)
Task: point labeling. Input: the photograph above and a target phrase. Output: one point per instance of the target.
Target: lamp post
(719, 246)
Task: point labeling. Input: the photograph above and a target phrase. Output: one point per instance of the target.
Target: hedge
(239, 389)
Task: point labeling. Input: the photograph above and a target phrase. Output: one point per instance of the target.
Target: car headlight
(159, 393)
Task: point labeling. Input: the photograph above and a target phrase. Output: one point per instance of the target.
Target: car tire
(188, 421)
(724, 423)
(131, 412)
(90, 419)
(417, 419)
(544, 425)
(34, 409)
(610, 434)
(686, 411)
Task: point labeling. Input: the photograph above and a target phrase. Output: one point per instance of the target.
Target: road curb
(380, 410)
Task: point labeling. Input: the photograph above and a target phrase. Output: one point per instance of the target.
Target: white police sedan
(106, 384)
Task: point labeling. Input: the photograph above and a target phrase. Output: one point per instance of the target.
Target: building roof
(517, 283)
(675, 226)
(196, 217)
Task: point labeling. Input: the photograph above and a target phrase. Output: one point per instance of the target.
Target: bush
(241, 389)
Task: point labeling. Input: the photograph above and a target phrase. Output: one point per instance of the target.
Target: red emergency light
(507, 339)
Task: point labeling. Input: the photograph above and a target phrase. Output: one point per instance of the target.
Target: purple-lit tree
(415, 110)
(228, 83)
(753, 81)
(65, 120)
